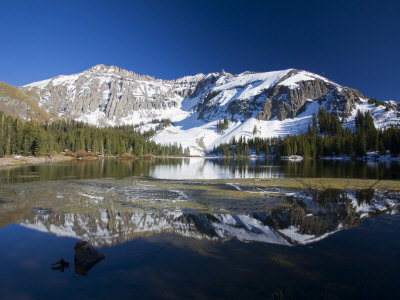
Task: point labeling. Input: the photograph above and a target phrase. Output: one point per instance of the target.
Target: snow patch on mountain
(293, 81)
(383, 118)
(59, 80)
(250, 84)
(201, 137)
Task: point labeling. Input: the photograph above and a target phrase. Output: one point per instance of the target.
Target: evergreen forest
(29, 138)
(325, 137)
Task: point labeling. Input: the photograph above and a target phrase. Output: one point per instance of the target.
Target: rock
(86, 257)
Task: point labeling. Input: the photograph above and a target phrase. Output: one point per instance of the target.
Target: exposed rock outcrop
(288, 101)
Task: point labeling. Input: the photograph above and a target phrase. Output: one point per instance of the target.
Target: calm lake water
(156, 229)
(200, 168)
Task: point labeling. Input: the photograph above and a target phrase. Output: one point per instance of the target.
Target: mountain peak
(101, 68)
(98, 67)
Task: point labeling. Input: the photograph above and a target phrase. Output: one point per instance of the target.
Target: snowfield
(201, 137)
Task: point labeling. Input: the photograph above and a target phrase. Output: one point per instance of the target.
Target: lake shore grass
(312, 183)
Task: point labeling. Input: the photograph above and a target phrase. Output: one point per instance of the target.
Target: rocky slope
(23, 104)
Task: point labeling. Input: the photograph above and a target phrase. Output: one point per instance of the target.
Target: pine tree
(360, 148)
(246, 150)
(267, 150)
(255, 130)
(138, 149)
(348, 148)
(314, 125)
(226, 122)
(381, 147)
(40, 143)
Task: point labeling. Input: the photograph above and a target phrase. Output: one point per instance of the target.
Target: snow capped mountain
(110, 96)
(275, 103)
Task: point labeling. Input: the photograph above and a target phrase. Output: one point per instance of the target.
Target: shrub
(128, 156)
(148, 156)
(70, 154)
(81, 153)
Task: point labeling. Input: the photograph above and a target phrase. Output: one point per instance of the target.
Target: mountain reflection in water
(110, 212)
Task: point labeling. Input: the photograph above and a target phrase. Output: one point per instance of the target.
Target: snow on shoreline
(370, 157)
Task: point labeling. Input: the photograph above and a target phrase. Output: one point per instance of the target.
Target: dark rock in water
(86, 257)
(60, 265)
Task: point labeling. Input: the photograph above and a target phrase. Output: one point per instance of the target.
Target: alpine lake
(200, 228)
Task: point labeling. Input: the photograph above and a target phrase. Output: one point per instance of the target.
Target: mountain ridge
(178, 85)
(184, 87)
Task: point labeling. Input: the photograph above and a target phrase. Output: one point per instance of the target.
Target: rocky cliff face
(110, 95)
(107, 95)
(294, 91)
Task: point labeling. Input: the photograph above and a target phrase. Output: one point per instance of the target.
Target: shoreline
(12, 161)
(16, 161)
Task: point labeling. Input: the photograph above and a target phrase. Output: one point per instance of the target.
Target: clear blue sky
(355, 43)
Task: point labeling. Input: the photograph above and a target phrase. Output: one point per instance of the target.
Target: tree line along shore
(325, 137)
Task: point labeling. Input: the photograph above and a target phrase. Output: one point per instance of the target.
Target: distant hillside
(22, 103)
